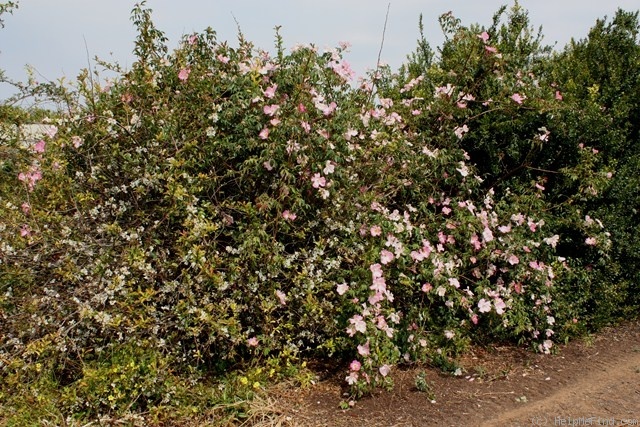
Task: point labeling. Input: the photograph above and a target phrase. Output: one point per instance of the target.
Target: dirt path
(590, 382)
(607, 393)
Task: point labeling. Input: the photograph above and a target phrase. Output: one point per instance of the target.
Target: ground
(590, 381)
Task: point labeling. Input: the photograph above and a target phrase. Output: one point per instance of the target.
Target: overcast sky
(59, 37)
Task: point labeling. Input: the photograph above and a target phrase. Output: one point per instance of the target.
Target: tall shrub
(599, 75)
(496, 90)
(218, 214)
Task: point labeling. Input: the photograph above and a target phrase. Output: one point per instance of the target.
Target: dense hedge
(211, 219)
(602, 81)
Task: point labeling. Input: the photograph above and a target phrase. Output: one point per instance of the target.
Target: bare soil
(592, 381)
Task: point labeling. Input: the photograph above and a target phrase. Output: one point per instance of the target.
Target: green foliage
(524, 129)
(197, 228)
(424, 386)
(600, 79)
(6, 7)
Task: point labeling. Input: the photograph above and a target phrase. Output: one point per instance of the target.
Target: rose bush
(220, 215)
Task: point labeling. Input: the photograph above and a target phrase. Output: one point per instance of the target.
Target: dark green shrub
(600, 78)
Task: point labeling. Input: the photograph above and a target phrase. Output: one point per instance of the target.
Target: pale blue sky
(50, 35)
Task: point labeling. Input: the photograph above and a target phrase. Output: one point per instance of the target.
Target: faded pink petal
(25, 231)
(270, 91)
(505, 228)
(378, 285)
(318, 181)
(289, 215)
(384, 370)
(270, 110)
(328, 109)
(487, 235)
(484, 306)
(363, 350)
(343, 69)
(490, 49)
(460, 131)
(51, 131)
(444, 91)
(386, 256)
(352, 378)
(499, 305)
(39, 146)
(76, 141)
(342, 288)
(536, 265)
(358, 323)
(517, 98)
(184, 74)
(475, 242)
(375, 298)
(329, 168)
(376, 270)
(552, 241)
